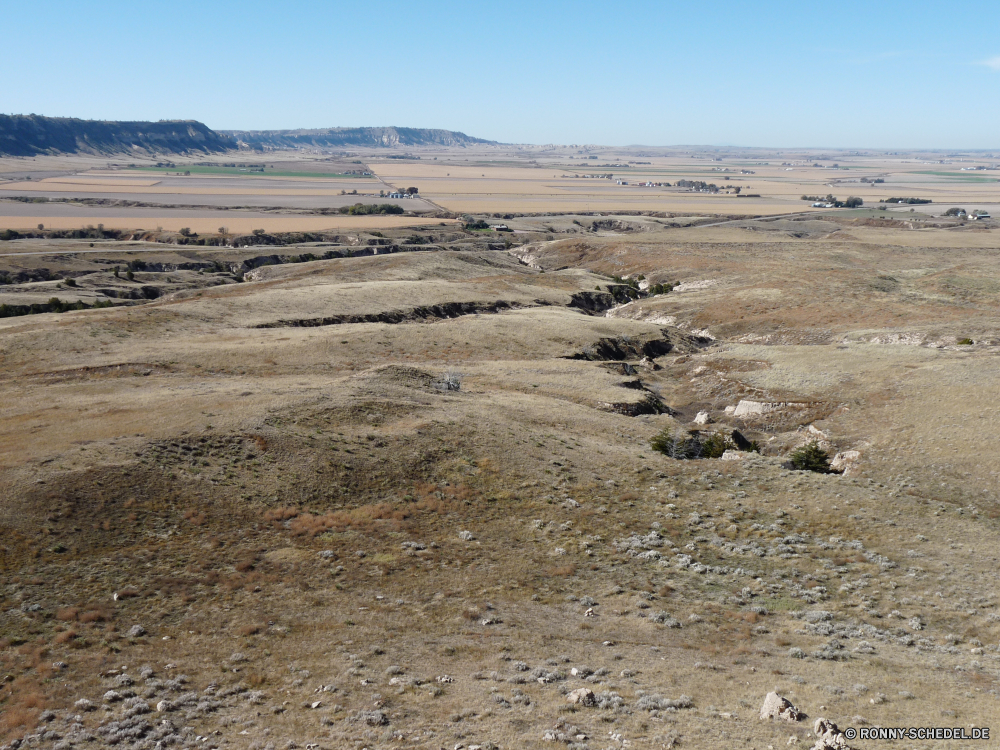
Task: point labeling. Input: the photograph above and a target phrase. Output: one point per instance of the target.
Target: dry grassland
(325, 544)
(236, 224)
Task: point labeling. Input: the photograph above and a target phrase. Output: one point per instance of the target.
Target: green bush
(715, 445)
(966, 342)
(679, 445)
(682, 445)
(811, 458)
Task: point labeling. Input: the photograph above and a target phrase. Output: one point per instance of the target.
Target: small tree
(41, 227)
(811, 458)
(129, 275)
(679, 444)
(186, 231)
(715, 445)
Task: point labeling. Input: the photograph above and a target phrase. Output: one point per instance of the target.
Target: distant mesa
(33, 135)
(390, 137)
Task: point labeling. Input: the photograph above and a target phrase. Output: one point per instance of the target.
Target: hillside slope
(28, 135)
(336, 137)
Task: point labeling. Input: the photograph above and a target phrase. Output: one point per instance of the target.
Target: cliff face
(28, 135)
(338, 137)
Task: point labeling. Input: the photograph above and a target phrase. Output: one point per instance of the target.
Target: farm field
(521, 180)
(551, 182)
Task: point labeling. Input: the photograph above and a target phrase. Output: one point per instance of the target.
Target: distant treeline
(360, 209)
(851, 202)
(907, 200)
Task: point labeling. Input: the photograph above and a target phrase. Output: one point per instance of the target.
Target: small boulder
(136, 631)
(582, 697)
(702, 418)
(776, 707)
(845, 460)
(830, 736)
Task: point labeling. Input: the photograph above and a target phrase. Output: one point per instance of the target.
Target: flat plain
(396, 488)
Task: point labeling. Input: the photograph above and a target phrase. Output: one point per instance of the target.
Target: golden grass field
(395, 500)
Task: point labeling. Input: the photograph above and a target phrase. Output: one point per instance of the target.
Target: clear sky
(843, 74)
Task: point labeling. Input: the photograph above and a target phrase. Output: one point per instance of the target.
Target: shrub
(954, 211)
(966, 342)
(679, 445)
(715, 445)
(684, 446)
(811, 458)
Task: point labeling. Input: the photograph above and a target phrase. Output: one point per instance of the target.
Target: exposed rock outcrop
(776, 707)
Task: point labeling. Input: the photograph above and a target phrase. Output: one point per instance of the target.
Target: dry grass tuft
(563, 571)
(65, 637)
(67, 614)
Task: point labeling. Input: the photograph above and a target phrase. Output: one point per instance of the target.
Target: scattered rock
(702, 418)
(830, 736)
(466, 536)
(136, 631)
(776, 707)
(582, 697)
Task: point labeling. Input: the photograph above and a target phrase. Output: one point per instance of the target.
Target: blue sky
(845, 74)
